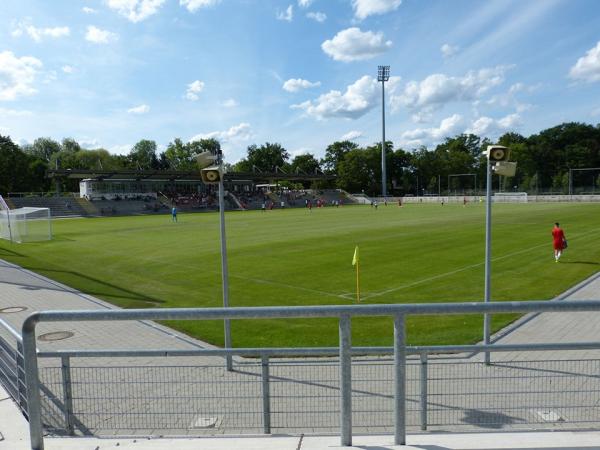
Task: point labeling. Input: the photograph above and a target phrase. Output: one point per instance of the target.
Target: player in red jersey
(558, 241)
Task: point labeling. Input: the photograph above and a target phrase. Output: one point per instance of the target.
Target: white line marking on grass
(277, 283)
(462, 269)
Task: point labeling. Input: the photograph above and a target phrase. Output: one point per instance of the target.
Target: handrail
(343, 313)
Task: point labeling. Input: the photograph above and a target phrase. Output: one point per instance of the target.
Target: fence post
(423, 391)
(399, 380)
(65, 368)
(34, 409)
(345, 380)
(266, 394)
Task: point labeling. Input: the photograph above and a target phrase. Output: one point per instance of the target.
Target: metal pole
(488, 256)
(65, 369)
(9, 227)
(423, 391)
(224, 269)
(399, 380)
(383, 169)
(34, 412)
(345, 381)
(570, 182)
(266, 394)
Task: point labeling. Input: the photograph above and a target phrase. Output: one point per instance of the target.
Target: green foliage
(418, 253)
(14, 165)
(306, 163)
(264, 158)
(143, 155)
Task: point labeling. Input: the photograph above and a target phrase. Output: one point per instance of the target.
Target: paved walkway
(131, 395)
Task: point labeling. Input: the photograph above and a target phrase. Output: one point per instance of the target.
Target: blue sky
(302, 73)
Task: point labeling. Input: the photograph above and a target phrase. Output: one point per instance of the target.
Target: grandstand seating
(59, 206)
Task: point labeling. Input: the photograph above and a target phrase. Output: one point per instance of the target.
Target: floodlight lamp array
(383, 73)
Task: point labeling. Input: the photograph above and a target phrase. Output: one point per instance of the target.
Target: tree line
(544, 161)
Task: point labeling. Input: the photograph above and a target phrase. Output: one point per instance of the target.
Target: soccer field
(418, 253)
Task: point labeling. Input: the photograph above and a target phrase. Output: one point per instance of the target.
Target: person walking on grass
(174, 214)
(559, 241)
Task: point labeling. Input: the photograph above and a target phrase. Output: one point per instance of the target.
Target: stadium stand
(59, 206)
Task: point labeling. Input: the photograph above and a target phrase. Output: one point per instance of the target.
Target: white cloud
(509, 98)
(38, 34)
(295, 84)
(287, 15)
(99, 36)
(587, 68)
(359, 98)
(17, 75)
(438, 89)
(230, 103)
(352, 135)
(4, 112)
(240, 132)
(486, 126)
(89, 143)
(135, 10)
(317, 16)
(422, 136)
(194, 5)
(366, 8)
(122, 149)
(88, 10)
(305, 3)
(352, 44)
(449, 50)
(67, 69)
(141, 109)
(194, 88)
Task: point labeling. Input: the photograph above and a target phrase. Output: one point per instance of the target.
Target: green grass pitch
(417, 253)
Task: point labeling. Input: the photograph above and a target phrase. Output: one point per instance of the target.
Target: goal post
(510, 197)
(25, 224)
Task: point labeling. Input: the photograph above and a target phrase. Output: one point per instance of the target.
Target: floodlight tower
(383, 75)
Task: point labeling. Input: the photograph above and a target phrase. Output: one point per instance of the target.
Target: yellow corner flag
(355, 262)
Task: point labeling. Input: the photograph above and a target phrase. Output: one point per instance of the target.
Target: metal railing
(260, 397)
(12, 370)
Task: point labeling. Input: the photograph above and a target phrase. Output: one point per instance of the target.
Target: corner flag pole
(355, 262)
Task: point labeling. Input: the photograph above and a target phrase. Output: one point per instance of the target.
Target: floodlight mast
(383, 75)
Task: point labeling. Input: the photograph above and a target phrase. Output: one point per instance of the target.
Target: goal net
(510, 197)
(25, 224)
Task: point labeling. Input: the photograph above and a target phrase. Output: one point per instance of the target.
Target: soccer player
(174, 214)
(558, 241)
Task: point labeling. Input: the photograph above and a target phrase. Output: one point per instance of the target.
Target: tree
(70, 145)
(334, 154)
(43, 148)
(206, 145)
(360, 169)
(180, 156)
(264, 158)
(143, 155)
(14, 167)
(306, 163)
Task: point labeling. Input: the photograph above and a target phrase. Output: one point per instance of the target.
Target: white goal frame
(26, 224)
(510, 197)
